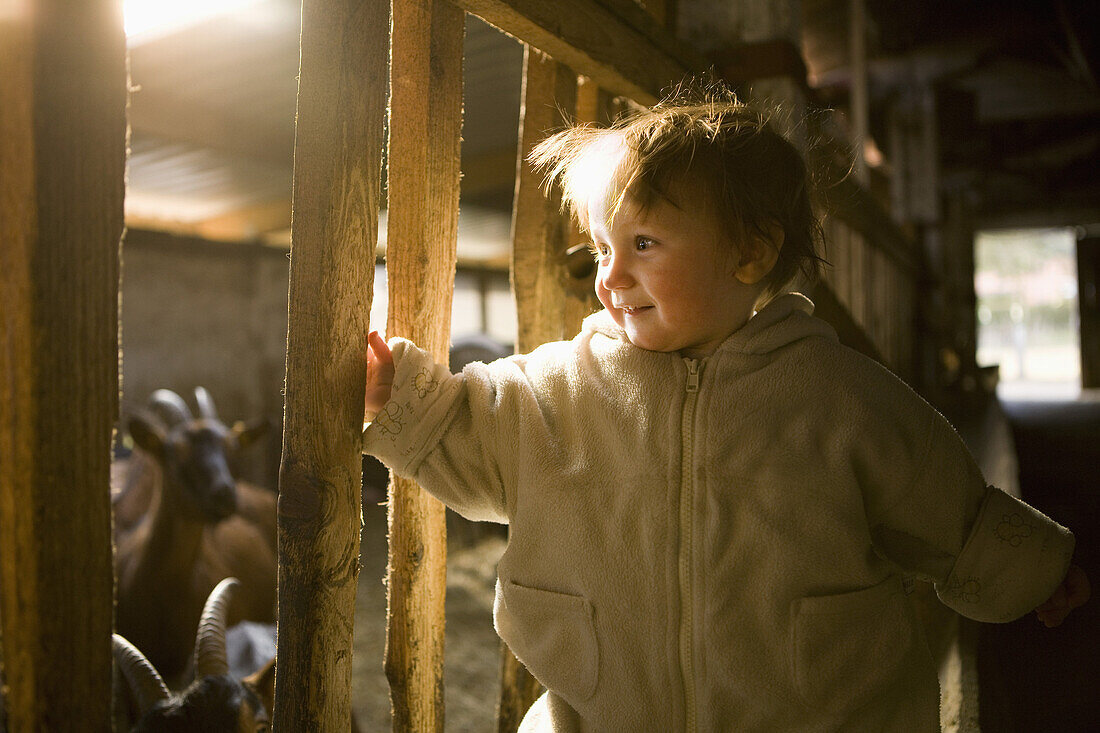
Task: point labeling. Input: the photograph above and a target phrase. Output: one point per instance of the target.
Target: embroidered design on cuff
(425, 383)
(1013, 529)
(389, 420)
(970, 590)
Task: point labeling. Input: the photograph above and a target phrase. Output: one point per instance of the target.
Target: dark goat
(183, 522)
(215, 702)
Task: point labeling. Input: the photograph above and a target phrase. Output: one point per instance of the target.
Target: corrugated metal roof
(212, 115)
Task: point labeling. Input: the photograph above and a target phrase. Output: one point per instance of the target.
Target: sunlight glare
(149, 18)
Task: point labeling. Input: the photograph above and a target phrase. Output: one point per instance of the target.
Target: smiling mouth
(634, 310)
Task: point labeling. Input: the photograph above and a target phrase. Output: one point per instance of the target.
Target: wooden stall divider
(337, 173)
(422, 230)
(540, 237)
(62, 159)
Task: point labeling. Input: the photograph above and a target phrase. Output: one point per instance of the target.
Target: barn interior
(946, 120)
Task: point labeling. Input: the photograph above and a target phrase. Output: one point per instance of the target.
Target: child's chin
(642, 342)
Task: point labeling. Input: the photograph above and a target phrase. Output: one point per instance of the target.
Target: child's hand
(1073, 592)
(379, 376)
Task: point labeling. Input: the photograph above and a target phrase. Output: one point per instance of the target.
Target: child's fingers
(1056, 601)
(378, 348)
(380, 372)
(1074, 591)
(1077, 587)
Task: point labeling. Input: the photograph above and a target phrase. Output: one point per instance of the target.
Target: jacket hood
(784, 320)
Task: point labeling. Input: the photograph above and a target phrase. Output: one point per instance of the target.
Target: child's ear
(759, 254)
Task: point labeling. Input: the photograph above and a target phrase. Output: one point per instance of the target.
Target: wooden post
(858, 92)
(337, 166)
(1088, 278)
(423, 181)
(539, 231)
(62, 157)
(545, 309)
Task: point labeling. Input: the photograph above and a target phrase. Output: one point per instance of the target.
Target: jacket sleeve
(450, 433)
(992, 557)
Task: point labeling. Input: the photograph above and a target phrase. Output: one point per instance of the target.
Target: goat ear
(249, 433)
(147, 432)
(262, 682)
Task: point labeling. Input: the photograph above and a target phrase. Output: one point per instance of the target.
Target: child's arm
(379, 376)
(992, 557)
(452, 434)
(1072, 593)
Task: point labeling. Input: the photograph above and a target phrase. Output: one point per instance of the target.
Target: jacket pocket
(553, 634)
(852, 647)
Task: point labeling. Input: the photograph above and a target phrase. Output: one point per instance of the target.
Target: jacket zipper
(687, 459)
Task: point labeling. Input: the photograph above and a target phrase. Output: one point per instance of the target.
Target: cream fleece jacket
(718, 544)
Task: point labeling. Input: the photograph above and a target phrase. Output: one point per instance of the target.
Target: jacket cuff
(407, 427)
(1012, 562)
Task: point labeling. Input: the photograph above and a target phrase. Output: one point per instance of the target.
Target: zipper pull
(693, 375)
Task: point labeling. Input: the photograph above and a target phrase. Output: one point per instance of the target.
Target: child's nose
(615, 273)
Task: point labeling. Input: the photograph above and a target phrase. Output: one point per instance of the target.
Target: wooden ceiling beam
(613, 42)
(248, 223)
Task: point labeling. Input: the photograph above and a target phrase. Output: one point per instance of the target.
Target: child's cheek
(604, 296)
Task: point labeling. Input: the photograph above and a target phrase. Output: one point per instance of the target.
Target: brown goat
(183, 522)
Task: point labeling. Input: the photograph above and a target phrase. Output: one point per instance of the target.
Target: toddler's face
(666, 276)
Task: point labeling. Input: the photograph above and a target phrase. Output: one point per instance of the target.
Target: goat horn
(210, 656)
(145, 682)
(206, 404)
(170, 407)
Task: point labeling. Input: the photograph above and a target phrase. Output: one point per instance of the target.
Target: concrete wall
(214, 314)
(210, 314)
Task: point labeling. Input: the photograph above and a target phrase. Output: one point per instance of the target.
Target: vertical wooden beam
(540, 234)
(337, 166)
(546, 309)
(422, 231)
(62, 157)
(858, 104)
(664, 11)
(1088, 288)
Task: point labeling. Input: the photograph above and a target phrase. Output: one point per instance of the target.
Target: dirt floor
(472, 654)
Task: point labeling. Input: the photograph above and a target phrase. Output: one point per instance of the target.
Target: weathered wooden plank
(546, 309)
(62, 159)
(341, 107)
(1088, 274)
(539, 231)
(422, 231)
(613, 42)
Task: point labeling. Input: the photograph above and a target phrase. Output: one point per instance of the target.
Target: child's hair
(721, 148)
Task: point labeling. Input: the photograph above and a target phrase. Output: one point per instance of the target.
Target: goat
(184, 522)
(221, 699)
(216, 701)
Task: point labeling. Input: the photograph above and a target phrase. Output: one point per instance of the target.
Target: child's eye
(598, 250)
(643, 243)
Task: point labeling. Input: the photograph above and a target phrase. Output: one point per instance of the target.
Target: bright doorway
(1028, 317)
